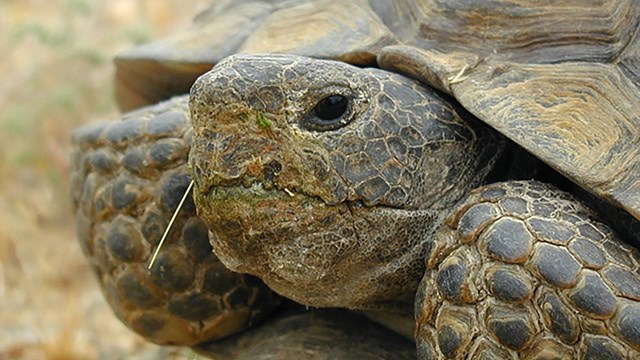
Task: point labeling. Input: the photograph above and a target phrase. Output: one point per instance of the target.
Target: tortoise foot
(523, 270)
(128, 179)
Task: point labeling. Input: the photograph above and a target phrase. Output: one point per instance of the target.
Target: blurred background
(57, 74)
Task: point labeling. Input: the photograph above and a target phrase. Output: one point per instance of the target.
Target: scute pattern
(559, 294)
(129, 179)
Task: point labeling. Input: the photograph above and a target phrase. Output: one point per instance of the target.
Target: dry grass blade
(459, 77)
(166, 231)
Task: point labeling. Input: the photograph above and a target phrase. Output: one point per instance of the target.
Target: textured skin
(526, 270)
(521, 269)
(305, 209)
(128, 179)
(281, 225)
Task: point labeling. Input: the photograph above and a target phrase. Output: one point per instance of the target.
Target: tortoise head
(326, 180)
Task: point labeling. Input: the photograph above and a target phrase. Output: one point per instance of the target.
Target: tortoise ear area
(436, 69)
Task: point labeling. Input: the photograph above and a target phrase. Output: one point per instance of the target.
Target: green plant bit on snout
(262, 121)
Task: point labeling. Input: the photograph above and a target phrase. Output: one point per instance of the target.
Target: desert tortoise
(358, 186)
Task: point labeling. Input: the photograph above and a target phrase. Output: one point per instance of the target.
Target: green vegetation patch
(262, 121)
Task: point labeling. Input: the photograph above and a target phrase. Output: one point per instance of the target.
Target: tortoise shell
(560, 79)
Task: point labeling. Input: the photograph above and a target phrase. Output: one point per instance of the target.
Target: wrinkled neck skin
(329, 212)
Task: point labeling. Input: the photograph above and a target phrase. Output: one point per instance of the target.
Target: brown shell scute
(565, 292)
(561, 79)
(129, 179)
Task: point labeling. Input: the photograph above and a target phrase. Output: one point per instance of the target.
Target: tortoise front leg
(521, 269)
(128, 178)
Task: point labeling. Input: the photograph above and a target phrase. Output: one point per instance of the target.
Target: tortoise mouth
(278, 234)
(250, 193)
(315, 253)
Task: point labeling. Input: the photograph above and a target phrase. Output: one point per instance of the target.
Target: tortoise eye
(328, 113)
(331, 107)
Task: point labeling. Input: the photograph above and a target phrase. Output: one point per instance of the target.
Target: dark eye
(331, 107)
(328, 113)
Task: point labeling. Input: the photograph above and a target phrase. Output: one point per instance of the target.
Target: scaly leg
(522, 269)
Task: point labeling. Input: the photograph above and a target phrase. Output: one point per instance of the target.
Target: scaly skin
(521, 269)
(344, 213)
(128, 179)
(344, 218)
(336, 226)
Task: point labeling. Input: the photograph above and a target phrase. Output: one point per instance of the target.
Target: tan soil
(57, 74)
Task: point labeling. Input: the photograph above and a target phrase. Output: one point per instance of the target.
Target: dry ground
(57, 74)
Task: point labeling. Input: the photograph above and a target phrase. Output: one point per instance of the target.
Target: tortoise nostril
(271, 171)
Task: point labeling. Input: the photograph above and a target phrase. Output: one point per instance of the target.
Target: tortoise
(461, 177)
